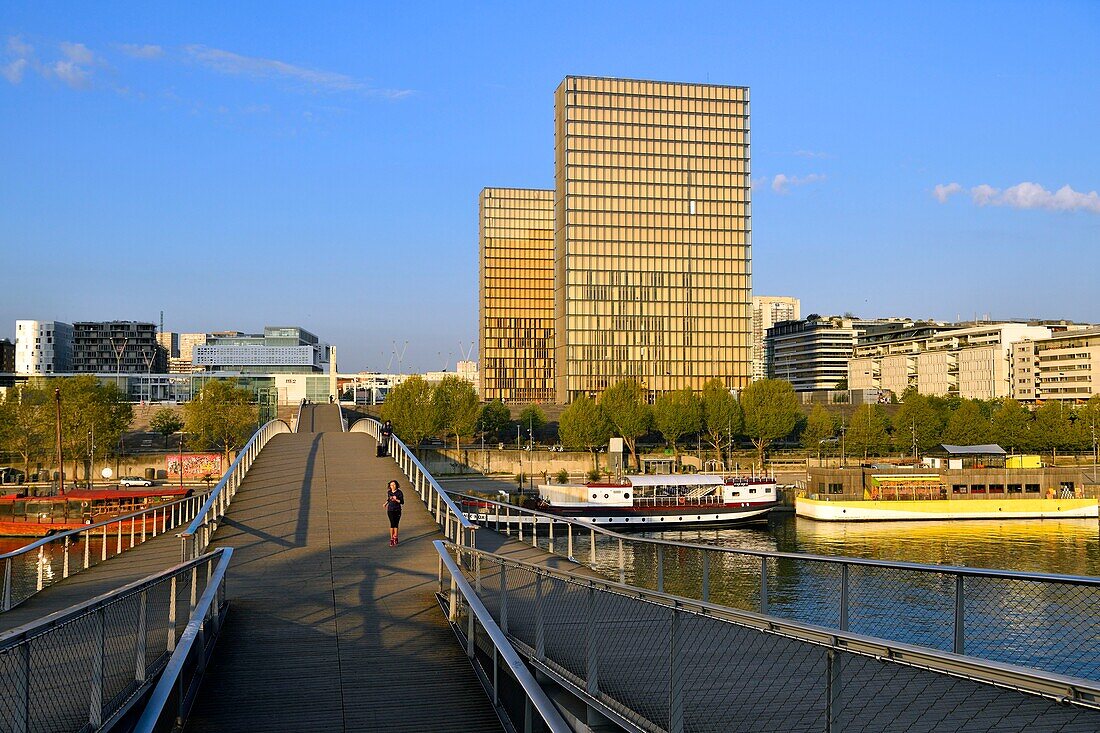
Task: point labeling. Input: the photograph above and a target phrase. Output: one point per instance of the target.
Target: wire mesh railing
(196, 537)
(655, 662)
(454, 523)
(51, 559)
(90, 666)
(1037, 620)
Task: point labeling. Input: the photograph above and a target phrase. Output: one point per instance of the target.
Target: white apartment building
(768, 310)
(974, 362)
(1064, 366)
(813, 354)
(43, 347)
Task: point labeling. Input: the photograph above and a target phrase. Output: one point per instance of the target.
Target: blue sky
(242, 164)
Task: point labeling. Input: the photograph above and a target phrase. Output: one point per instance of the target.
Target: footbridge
(275, 603)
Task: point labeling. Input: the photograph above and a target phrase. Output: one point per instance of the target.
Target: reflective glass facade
(652, 245)
(516, 313)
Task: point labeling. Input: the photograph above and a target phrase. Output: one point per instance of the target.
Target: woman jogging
(394, 500)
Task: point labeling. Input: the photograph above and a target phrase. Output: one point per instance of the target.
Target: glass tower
(516, 313)
(652, 246)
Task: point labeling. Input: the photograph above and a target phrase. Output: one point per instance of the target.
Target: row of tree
(922, 422)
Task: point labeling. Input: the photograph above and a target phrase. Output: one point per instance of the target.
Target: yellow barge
(890, 510)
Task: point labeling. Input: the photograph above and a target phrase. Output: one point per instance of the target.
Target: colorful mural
(195, 465)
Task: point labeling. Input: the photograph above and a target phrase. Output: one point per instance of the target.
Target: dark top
(387, 430)
(394, 500)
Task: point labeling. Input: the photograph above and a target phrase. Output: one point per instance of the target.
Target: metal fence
(655, 662)
(1044, 621)
(454, 523)
(49, 560)
(196, 537)
(89, 666)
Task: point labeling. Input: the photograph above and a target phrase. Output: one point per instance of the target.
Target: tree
(493, 418)
(222, 416)
(584, 426)
(532, 419)
(625, 406)
(1011, 422)
(968, 425)
(820, 426)
(165, 421)
(771, 412)
(1051, 429)
(867, 431)
(676, 414)
(454, 401)
(27, 423)
(409, 407)
(90, 407)
(917, 419)
(1088, 423)
(722, 417)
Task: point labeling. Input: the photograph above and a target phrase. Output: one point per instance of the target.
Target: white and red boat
(655, 503)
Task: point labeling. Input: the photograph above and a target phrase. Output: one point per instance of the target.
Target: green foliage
(593, 475)
(1051, 429)
(1088, 422)
(165, 421)
(27, 423)
(968, 425)
(722, 417)
(409, 407)
(917, 415)
(1010, 425)
(867, 431)
(583, 425)
(771, 412)
(676, 414)
(625, 405)
(820, 426)
(90, 406)
(493, 419)
(563, 476)
(532, 418)
(454, 401)
(221, 416)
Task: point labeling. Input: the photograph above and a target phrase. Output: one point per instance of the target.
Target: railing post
(569, 541)
(140, 640)
(95, 703)
(591, 670)
(131, 532)
(960, 617)
(764, 584)
(103, 554)
(503, 597)
(592, 545)
(622, 562)
(470, 646)
(675, 691)
(550, 536)
(540, 638)
(508, 520)
(65, 560)
(41, 565)
(7, 585)
(660, 568)
(87, 549)
(452, 611)
(519, 525)
(118, 545)
(844, 596)
(706, 576)
(832, 692)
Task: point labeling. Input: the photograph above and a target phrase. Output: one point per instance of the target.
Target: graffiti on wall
(195, 465)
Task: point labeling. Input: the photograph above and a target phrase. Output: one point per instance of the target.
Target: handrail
(207, 610)
(196, 537)
(165, 516)
(298, 417)
(1058, 687)
(415, 470)
(503, 648)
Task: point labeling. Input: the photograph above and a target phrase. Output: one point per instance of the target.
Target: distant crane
(466, 352)
(401, 356)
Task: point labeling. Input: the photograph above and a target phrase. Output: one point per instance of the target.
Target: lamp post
(119, 350)
(60, 456)
(843, 455)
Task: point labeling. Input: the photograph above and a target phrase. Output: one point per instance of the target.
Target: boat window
(996, 488)
(626, 494)
(959, 489)
(1032, 488)
(836, 488)
(737, 493)
(1015, 488)
(752, 491)
(977, 488)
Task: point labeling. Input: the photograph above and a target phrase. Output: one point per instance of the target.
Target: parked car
(134, 481)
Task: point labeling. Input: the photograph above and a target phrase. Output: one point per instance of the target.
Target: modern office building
(117, 346)
(7, 357)
(652, 244)
(180, 349)
(972, 362)
(768, 310)
(516, 288)
(43, 347)
(813, 354)
(277, 349)
(1063, 366)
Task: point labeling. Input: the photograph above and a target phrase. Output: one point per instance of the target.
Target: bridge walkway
(319, 419)
(330, 628)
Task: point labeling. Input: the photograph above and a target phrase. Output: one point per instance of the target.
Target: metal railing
(298, 417)
(651, 661)
(487, 648)
(89, 666)
(51, 559)
(1039, 620)
(172, 699)
(196, 537)
(455, 525)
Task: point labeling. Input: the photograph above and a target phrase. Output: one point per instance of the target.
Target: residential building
(652, 243)
(972, 362)
(516, 288)
(43, 347)
(277, 349)
(813, 354)
(7, 357)
(1063, 366)
(117, 346)
(768, 310)
(180, 349)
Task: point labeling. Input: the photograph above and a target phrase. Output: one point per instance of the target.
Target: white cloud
(782, 183)
(13, 72)
(1028, 195)
(77, 53)
(942, 192)
(19, 49)
(71, 73)
(147, 51)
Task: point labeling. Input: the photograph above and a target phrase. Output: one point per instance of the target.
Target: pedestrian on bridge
(394, 500)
